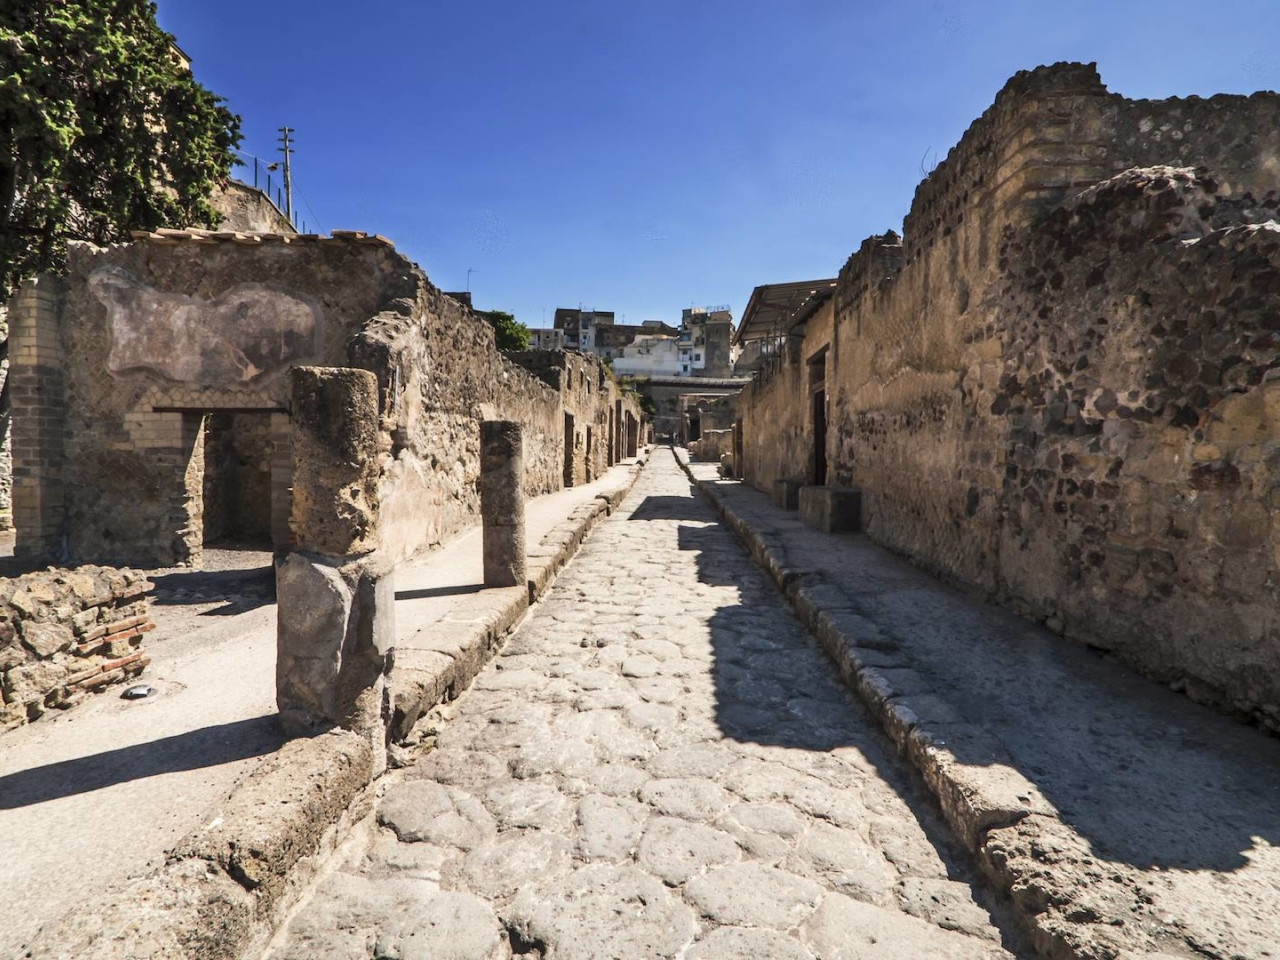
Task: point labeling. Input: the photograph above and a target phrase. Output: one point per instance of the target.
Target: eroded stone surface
(659, 764)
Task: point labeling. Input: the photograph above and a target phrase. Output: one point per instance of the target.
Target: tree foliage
(509, 333)
(103, 130)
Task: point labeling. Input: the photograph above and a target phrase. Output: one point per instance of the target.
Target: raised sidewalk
(184, 824)
(1121, 818)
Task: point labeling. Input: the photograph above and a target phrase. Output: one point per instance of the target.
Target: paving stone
(542, 757)
(652, 716)
(614, 780)
(946, 904)
(388, 856)
(774, 818)
(641, 666)
(410, 807)
(449, 926)
(609, 828)
(528, 803)
(676, 850)
(614, 699)
(759, 780)
(659, 689)
(818, 799)
(738, 943)
(843, 928)
(497, 869)
(843, 860)
(343, 915)
(705, 760)
(463, 768)
(659, 649)
(603, 912)
(754, 895)
(905, 845)
(686, 797)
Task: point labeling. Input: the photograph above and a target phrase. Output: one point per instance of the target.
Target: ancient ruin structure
(1062, 386)
(153, 400)
(317, 394)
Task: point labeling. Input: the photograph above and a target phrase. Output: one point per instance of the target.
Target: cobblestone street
(660, 763)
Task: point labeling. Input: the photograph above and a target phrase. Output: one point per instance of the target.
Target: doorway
(568, 449)
(820, 438)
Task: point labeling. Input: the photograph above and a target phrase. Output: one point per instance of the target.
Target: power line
(293, 179)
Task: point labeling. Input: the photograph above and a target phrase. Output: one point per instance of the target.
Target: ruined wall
(588, 395)
(65, 634)
(140, 343)
(776, 410)
(132, 367)
(243, 207)
(1068, 403)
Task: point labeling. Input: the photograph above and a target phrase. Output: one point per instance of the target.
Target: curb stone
(1001, 817)
(226, 888)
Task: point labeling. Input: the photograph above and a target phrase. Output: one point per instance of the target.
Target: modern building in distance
(581, 326)
(649, 355)
(705, 336)
(699, 347)
(546, 338)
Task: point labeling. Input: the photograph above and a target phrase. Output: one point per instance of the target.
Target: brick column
(502, 502)
(37, 391)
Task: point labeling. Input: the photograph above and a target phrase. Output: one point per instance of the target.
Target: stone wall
(249, 209)
(67, 633)
(1060, 388)
(590, 396)
(152, 356)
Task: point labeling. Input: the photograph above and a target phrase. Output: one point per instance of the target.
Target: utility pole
(286, 149)
(469, 273)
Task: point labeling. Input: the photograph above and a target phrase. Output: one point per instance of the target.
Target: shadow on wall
(1146, 777)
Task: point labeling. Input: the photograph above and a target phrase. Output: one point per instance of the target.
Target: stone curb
(993, 810)
(442, 658)
(226, 888)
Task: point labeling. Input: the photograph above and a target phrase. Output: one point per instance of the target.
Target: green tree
(509, 333)
(103, 130)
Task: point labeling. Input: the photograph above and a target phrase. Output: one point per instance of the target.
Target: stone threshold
(226, 888)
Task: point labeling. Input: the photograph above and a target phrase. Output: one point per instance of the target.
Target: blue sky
(645, 156)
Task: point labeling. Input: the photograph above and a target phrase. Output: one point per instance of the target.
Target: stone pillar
(37, 391)
(336, 444)
(502, 502)
(335, 625)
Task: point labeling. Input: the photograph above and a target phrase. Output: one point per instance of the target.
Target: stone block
(46, 637)
(337, 440)
(831, 509)
(334, 631)
(786, 493)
